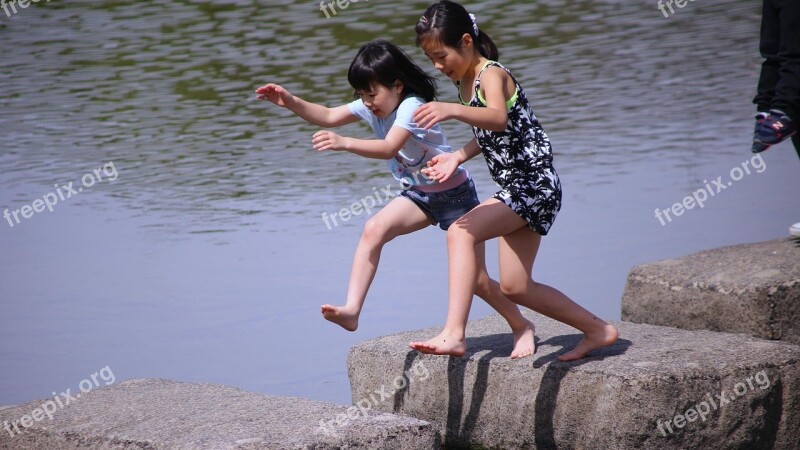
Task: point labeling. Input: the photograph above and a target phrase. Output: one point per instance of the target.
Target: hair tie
(474, 24)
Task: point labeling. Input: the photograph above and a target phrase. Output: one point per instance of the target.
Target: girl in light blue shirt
(390, 88)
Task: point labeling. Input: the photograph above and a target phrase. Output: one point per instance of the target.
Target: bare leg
(400, 216)
(518, 249)
(517, 254)
(483, 222)
(489, 290)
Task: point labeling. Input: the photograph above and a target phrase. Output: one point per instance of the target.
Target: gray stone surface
(750, 288)
(163, 414)
(613, 399)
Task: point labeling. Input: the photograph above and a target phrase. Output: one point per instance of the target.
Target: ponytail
(486, 46)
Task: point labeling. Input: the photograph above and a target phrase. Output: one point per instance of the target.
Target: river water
(201, 254)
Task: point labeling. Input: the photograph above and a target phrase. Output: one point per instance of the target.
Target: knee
(376, 232)
(459, 236)
(515, 290)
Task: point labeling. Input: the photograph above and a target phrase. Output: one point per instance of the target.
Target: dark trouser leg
(787, 91)
(768, 46)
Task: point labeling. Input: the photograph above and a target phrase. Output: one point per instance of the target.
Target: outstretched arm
(310, 112)
(371, 148)
(442, 167)
(497, 88)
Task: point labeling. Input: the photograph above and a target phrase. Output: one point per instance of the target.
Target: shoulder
(409, 105)
(495, 72)
(412, 101)
(357, 107)
(496, 78)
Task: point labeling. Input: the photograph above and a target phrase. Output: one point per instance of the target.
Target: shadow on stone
(498, 346)
(555, 372)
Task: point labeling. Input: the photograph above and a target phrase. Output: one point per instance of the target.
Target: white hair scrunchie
(474, 24)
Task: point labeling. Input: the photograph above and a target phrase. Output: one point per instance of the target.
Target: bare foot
(442, 344)
(340, 316)
(524, 344)
(602, 338)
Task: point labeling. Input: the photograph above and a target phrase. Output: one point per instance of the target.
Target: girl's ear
(399, 86)
(466, 41)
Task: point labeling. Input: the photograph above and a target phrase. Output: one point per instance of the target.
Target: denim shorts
(445, 207)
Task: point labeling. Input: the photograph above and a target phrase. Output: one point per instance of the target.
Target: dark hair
(448, 22)
(384, 63)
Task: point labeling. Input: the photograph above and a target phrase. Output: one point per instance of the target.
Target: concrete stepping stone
(657, 387)
(164, 414)
(750, 288)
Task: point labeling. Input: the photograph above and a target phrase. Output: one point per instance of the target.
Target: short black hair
(384, 63)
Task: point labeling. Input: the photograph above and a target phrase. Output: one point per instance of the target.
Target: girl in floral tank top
(520, 159)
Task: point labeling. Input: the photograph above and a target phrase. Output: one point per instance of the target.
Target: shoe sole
(794, 231)
(767, 147)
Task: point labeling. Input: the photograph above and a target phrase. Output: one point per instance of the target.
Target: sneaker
(794, 230)
(757, 146)
(776, 128)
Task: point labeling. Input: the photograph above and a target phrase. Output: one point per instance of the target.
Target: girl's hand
(274, 93)
(441, 167)
(429, 114)
(328, 140)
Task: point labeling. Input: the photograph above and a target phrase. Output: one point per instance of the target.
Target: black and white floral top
(520, 159)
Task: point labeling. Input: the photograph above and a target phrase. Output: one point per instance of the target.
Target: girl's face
(382, 100)
(452, 62)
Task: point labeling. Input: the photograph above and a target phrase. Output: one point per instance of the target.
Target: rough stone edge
(36, 438)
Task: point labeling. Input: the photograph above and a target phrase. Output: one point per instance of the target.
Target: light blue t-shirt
(419, 148)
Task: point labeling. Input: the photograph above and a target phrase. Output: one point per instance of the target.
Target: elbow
(500, 122)
(321, 122)
(327, 120)
(390, 152)
(499, 126)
